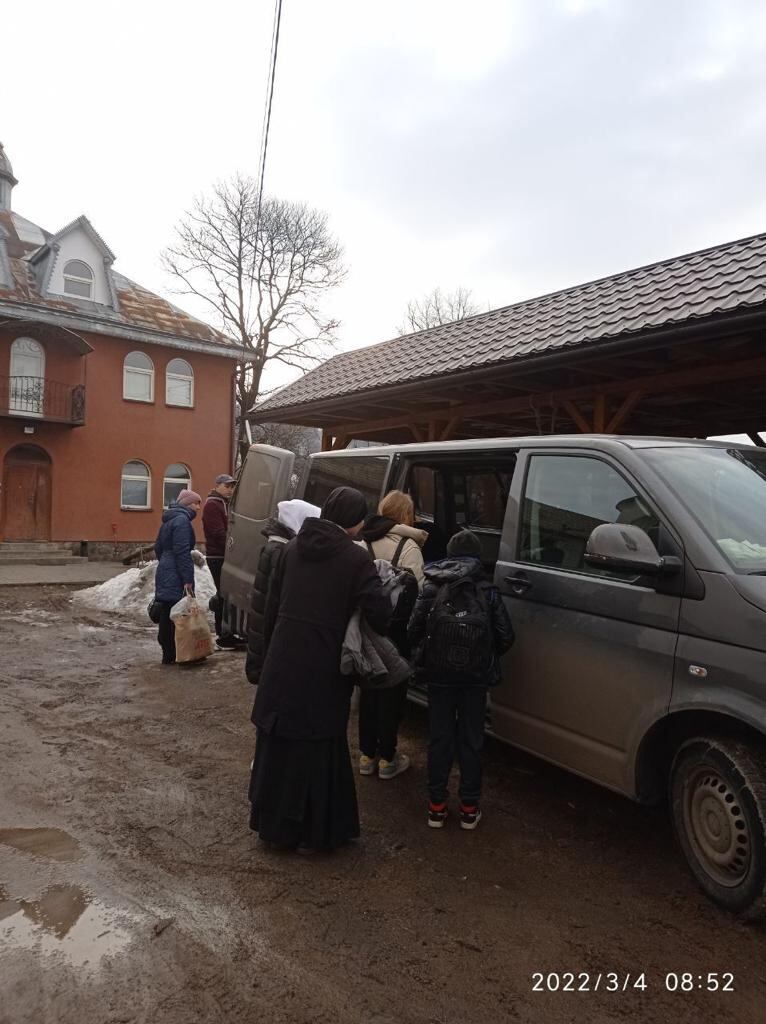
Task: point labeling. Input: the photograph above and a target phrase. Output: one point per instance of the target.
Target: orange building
(111, 399)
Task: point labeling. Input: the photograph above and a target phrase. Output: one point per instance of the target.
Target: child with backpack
(459, 629)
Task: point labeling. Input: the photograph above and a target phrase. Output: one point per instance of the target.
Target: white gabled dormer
(75, 264)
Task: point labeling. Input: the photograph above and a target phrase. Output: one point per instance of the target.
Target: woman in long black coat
(302, 784)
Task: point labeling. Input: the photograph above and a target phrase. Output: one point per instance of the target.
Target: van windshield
(725, 490)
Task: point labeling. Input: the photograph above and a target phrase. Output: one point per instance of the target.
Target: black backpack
(408, 595)
(458, 647)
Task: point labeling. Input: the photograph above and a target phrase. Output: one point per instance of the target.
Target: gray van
(634, 570)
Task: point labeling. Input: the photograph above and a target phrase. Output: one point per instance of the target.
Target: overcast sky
(510, 147)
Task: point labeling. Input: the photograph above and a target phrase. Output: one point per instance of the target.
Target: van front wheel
(718, 801)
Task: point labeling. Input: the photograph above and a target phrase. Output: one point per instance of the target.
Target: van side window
(566, 498)
(254, 496)
(366, 473)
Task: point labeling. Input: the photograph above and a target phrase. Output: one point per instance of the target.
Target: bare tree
(264, 281)
(437, 308)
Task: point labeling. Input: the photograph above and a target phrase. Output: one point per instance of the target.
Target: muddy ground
(148, 900)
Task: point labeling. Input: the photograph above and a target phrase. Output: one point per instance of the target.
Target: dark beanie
(464, 543)
(345, 507)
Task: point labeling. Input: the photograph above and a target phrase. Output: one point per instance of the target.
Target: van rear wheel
(718, 801)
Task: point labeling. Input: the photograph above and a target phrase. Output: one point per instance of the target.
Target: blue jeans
(456, 725)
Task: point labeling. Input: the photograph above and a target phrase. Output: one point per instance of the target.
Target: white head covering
(292, 514)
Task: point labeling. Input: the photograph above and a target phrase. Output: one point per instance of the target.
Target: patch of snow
(129, 593)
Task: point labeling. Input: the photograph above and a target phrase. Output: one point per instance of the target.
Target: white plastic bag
(194, 641)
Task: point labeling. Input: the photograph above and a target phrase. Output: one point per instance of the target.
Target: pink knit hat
(187, 498)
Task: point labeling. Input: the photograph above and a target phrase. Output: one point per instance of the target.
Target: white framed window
(177, 478)
(135, 490)
(26, 384)
(78, 279)
(138, 378)
(179, 383)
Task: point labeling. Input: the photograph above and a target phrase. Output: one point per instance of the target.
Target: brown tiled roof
(716, 280)
(141, 307)
(137, 307)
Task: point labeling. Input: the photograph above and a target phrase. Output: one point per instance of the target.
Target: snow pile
(131, 591)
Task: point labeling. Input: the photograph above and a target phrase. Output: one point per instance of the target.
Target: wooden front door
(27, 494)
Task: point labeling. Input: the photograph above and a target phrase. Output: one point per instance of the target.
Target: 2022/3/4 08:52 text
(613, 981)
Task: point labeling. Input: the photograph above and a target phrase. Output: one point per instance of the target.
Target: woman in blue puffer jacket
(175, 572)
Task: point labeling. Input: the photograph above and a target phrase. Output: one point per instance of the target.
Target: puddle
(53, 843)
(65, 921)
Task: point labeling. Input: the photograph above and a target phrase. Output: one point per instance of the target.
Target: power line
(262, 156)
(267, 113)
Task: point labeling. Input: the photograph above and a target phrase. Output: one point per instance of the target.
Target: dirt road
(132, 891)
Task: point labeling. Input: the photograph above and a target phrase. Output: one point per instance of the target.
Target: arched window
(136, 485)
(26, 387)
(179, 383)
(177, 477)
(138, 378)
(78, 279)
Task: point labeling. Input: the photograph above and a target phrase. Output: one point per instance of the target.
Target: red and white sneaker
(470, 816)
(437, 815)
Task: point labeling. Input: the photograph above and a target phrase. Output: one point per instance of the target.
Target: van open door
(263, 482)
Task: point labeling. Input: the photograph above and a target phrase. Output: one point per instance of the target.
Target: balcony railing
(37, 398)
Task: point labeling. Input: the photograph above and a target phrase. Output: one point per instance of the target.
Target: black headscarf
(345, 507)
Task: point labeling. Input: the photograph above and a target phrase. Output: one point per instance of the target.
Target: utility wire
(267, 114)
(264, 148)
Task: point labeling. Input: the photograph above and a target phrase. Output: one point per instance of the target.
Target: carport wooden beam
(630, 390)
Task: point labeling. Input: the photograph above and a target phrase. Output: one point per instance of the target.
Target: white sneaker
(390, 769)
(367, 765)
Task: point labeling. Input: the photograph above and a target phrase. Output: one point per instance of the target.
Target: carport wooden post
(333, 442)
(599, 414)
(602, 422)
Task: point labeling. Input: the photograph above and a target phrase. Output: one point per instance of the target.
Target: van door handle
(518, 584)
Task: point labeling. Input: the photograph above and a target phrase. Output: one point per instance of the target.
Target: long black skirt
(302, 792)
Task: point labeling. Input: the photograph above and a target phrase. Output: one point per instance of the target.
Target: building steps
(38, 553)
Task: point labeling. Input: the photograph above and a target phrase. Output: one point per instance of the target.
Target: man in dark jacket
(460, 628)
(215, 523)
(302, 785)
(290, 517)
(175, 570)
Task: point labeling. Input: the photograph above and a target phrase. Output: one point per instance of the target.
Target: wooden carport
(677, 348)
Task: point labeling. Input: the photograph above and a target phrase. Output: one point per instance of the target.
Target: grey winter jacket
(373, 658)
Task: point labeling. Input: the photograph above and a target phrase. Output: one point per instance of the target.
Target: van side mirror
(624, 548)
